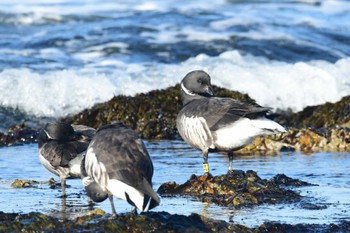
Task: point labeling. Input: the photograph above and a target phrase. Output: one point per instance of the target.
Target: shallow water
(175, 161)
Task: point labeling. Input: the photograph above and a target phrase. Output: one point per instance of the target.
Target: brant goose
(117, 163)
(218, 124)
(62, 147)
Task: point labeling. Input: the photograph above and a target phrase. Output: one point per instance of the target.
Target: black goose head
(57, 131)
(95, 192)
(195, 85)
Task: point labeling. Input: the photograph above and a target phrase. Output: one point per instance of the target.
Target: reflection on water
(176, 161)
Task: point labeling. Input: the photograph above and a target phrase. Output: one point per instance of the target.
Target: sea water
(60, 57)
(176, 161)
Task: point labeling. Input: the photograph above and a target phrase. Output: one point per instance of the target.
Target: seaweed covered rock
(320, 116)
(305, 140)
(23, 183)
(150, 222)
(152, 115)
(18, 183)
(236, 189)
(275, 227)
(147, 222)
(17, 135)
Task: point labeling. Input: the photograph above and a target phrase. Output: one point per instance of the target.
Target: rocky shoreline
(238, 189)
(97, 221)
(152, 115)
(18, 134)
(318, 128)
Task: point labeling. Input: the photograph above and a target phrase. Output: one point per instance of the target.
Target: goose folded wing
(134, 167)
(224, 111)
(58, 154)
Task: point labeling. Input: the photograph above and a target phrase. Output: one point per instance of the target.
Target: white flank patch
(243, 132)
(74, 165)
(118, 189)
(95, 169)
(264, 123)
(195, 131)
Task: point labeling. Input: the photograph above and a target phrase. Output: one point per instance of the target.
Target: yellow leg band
(206, 167)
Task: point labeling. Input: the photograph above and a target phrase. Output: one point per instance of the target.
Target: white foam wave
(276, 84)
(272, 83)
(52, 94)
(279, 84)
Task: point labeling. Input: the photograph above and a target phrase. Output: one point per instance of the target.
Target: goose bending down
(218, 124)
(117, 164)
(62, 147)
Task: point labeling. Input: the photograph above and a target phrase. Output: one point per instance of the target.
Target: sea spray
(276, 84)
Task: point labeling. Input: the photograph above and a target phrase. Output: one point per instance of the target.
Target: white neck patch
(188, 92)
(48, 135)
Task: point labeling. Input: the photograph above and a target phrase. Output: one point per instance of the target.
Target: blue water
(60, 57)
(175, 161)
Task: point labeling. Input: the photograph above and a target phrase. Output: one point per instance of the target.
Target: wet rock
(14, 116)
(304, 140)
(150, 222)
(152, 115)
(320, 116)
(303, 228)
(97, 211)
(17, 183)
(236, 189)
(24, 183)
(312, 205)
(18, 135)
(282, 179)
(54, 185)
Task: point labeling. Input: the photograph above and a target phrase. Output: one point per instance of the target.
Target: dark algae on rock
(305, 140)
(147, 222)
(317, 128)
(19, 183)
(158, 222)
(17, 135)
(320, 116)
(152, 115)
(236, 189)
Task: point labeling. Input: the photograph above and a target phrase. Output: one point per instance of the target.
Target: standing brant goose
(62, 147)
(218, 124)
(117, 163)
